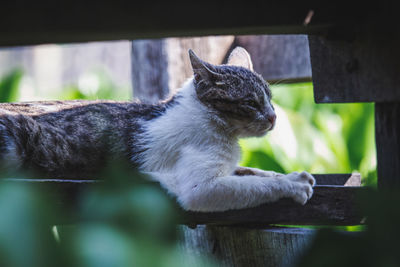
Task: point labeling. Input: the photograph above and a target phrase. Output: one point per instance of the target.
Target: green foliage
(319, 138)
(24, 235)
(94, 85)
(121, 222)
(9, 86)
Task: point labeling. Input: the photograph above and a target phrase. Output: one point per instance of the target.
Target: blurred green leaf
(25, 232)
(95, 85)
(9, 86)
(123, 221)
(260, 159)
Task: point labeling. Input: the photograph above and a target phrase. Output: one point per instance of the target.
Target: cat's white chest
(184, 135)
(168, 151)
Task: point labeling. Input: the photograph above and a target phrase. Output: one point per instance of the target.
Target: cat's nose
(272, 118)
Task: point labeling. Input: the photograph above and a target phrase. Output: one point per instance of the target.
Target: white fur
(188, 152)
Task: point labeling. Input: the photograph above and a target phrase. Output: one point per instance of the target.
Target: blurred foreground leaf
(123, 221)
(25, 231)
(376, 246)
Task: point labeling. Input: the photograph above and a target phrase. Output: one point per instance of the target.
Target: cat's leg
(235, 192)
(200, 184)
(241, 171)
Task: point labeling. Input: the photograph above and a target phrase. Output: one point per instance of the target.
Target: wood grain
(334, 205)
(332, 178)
(161, 66)
(387, 136)
(361, 68)
(149, 75)
(278, 58)
(240, 246)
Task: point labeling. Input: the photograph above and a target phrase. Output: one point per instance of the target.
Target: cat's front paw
(301, 186)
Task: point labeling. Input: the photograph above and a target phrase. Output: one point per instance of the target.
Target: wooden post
(159, 67)
(362, 67)
(149, 76)
(240, 246)
(280, 58)
(387, 136)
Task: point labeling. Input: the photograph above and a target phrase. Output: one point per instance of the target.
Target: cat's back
(41, 108)
(34, 108)
(59, 137)
(69, 110)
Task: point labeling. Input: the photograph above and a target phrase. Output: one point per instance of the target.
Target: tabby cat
(188, 143)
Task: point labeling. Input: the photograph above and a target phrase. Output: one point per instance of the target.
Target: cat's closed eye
(252, 104)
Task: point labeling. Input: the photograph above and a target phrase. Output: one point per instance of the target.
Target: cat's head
(235, 93)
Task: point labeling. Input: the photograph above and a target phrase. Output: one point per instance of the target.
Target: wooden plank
(387, 136)
(359, 68)
(329, 205)
(278, 58)
(27, 22)
(335, 205)
(238, 246)
(332, 178)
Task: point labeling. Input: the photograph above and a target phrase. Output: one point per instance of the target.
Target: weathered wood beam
(355, 67)
(278, 58)
(387, 136)
(27, 22)
(332, 178)
(334, 205)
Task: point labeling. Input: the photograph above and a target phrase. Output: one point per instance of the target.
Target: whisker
(279, 81)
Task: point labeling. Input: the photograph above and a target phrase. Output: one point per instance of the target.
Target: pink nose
(272, 118)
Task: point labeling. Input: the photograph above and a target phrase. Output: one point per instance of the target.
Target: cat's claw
(303, 177)
(301, 186)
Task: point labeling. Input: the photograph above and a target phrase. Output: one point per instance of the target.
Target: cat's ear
(240, 57)
(202, 70)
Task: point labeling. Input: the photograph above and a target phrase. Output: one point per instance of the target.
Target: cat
(188, 143)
